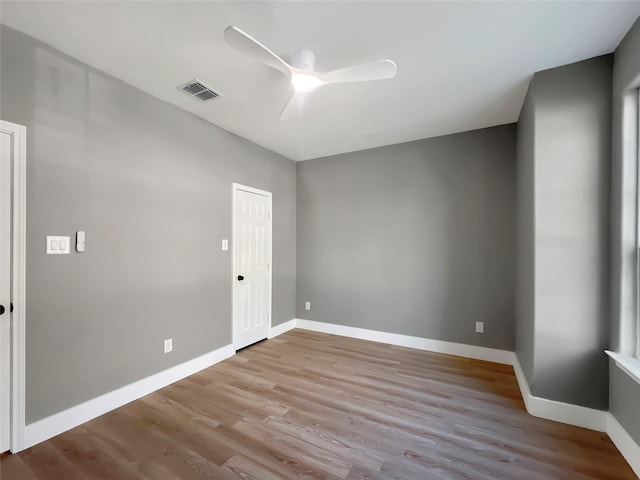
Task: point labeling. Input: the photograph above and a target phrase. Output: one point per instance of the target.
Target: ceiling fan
(303, 76)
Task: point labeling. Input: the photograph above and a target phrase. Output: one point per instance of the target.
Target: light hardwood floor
(311, 405)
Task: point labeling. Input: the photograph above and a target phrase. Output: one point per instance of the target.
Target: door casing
(18, 276)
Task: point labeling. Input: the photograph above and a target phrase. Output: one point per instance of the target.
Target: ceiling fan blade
(294, 107)
(248, 45)
(378, 70)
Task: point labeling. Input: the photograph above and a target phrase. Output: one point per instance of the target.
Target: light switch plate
(58, 245)
(225, 244)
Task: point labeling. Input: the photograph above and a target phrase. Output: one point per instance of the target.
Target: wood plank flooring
(316, 406)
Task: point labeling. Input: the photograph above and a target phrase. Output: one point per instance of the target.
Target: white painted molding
(536, 406)
(282, 328)
(18, 281)
(60, 422)
(540, 407)
(626, 363)
(629, 449)
(559, 411)
(599, 420)
(438, 346)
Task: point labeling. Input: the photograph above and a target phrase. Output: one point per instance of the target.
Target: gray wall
(572, 158)
(625, 400)
(416, 238)
(623, 391)
(564, 318)
(525, 238)
(151, 186)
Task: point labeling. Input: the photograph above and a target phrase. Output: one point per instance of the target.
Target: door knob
(1, 309)
(240, 277)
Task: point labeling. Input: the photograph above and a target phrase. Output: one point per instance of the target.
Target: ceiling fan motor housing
(304, 59)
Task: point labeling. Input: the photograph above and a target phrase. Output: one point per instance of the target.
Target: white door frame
(18, 285)
(234, 188)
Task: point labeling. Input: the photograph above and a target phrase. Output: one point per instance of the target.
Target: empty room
(270, 240)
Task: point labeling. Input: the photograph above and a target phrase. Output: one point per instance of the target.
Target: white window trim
(636, 350)
(637, 152)
(629, 362)
(629, 365)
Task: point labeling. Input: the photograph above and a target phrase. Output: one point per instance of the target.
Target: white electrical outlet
(479, 327)
(225, 244)
(307, 305)
(168, 345)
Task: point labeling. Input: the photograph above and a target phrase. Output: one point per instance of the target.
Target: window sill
(629, 365)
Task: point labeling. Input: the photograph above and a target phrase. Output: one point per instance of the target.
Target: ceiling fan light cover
(305, 83)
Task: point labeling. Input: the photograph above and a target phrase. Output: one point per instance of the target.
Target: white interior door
(5, 290)
(251, 265)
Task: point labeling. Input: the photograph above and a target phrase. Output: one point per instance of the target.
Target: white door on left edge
(252, 265)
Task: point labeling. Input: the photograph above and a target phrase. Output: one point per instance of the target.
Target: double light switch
(57, 245)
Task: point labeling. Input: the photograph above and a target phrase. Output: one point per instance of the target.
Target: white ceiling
(461, 65)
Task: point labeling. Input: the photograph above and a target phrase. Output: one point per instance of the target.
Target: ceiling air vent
(199, 90)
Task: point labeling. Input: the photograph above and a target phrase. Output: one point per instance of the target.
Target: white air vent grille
(197, 89)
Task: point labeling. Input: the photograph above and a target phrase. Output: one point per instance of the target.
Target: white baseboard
(57, 423)
(559, 411)
(598, 420)
(283, 327)
(622, 440)
(536, 406)
(420, 343)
